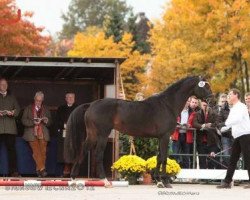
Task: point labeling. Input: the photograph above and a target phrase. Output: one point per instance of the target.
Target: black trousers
(10, 143)
(240, 145)
(205, 162)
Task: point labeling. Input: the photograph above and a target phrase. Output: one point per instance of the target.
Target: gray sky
(47, 13)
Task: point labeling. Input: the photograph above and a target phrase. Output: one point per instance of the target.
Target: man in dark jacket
(226, 137)
(207, 138)
(9, 109)
(62, 115)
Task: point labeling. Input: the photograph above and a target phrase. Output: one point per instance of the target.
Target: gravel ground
(141, 192)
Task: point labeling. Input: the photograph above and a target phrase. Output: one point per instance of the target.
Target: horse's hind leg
(86, 146)
(76, 166)
(100, 148)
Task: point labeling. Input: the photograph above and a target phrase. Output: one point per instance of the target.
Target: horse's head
(202, 90)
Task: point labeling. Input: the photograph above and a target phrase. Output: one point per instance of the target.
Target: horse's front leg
(100, 148)
(164, 141)
(156, 174)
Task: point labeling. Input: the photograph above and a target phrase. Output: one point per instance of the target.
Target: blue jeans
(226, 148)
(181, 147)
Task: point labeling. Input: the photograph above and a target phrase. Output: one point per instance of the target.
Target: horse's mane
(173, 87)
(177, 84)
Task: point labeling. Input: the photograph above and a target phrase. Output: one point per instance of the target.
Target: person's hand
(1, 115)
(203, 126)
(45, 120)
(212, 154)
(224, 129)
(218, 131)
(37, 121)
(208, 125)
(10, 113)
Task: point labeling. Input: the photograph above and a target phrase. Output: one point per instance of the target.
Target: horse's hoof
(107, 184)
(72, 183)
(160, 184)
(168, 185)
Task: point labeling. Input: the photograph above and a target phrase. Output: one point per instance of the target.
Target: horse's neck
(177, 97)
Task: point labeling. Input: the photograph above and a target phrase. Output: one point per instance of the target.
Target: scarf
(38, 132)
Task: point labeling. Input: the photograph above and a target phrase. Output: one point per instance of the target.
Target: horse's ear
(200, 78)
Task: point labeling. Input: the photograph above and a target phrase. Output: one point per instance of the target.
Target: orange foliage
(21, 38)
(93, 43)
(205, 37)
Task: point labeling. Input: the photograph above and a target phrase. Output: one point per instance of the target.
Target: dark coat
(212, 137)
(8, 123)
(62, 116)
(222, 117)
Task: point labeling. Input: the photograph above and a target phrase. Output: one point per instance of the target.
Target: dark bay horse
(154, 117)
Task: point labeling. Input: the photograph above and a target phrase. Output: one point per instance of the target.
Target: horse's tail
(75, 133)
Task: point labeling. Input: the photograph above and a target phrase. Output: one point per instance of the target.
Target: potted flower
(172, 167)
(130, 167)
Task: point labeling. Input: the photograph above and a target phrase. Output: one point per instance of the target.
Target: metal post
(116, 133)
(194, 148)
(89, 164)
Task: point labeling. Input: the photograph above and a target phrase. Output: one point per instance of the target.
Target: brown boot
(43, 173)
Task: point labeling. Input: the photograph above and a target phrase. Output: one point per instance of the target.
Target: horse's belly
(137, 131)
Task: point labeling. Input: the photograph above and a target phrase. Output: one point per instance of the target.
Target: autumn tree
(94, 43)
(22, 37)
(202, 37)
(59, 47)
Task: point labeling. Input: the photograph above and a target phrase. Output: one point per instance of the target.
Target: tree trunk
(246, 76)
(242, 78)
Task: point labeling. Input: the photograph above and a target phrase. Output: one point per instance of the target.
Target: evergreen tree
(114, 22)
(142, 29)
(85, 13)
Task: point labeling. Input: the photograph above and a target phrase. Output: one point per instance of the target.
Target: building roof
(58, 68)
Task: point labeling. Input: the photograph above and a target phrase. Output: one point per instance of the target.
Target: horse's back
(109, 108)
(125, 116)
